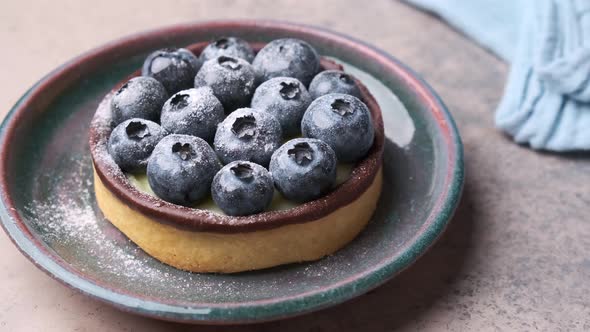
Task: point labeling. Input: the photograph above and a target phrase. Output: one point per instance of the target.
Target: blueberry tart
(232, 156)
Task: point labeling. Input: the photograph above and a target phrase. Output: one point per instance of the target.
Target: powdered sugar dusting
(68, 221)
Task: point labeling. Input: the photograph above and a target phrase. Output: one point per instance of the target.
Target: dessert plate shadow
(48, 208)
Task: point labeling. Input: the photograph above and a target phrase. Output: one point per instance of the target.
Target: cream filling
(140, 181)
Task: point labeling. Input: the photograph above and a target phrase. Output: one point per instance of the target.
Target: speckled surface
(514, 258)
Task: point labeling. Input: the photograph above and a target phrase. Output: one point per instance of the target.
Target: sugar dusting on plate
(71, 224)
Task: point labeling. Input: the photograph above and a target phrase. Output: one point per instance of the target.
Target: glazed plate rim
(259, 310)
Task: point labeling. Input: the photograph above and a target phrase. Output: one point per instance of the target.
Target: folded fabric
(546, 102)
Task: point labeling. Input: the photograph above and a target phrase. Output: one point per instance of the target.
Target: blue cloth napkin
(546, 102)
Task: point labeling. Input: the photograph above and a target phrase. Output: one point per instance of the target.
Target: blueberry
(174, 68)
(131, 143)
(140, 97)
(342, 121)
(193, 112)
(232, 81)
(241, 188)
(247, 134)
(228, 46)
(304, 169)
(287, 57)
(181, 169)
(333, 81)
(286, 98)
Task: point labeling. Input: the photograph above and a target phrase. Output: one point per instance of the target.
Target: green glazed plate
(48, 208)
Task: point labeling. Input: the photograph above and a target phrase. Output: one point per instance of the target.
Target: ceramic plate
(48, 208)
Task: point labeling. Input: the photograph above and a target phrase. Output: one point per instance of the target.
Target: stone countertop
(516, 257)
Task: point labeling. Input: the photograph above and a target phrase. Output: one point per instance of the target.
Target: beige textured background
(515, 258)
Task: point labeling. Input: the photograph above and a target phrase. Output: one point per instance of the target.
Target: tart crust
(202, 241)
(234, 252)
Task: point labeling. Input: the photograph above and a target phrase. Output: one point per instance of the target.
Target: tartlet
(204, 241)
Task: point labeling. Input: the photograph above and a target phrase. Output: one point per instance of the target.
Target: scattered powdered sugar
(64, 216)
(72, 226)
